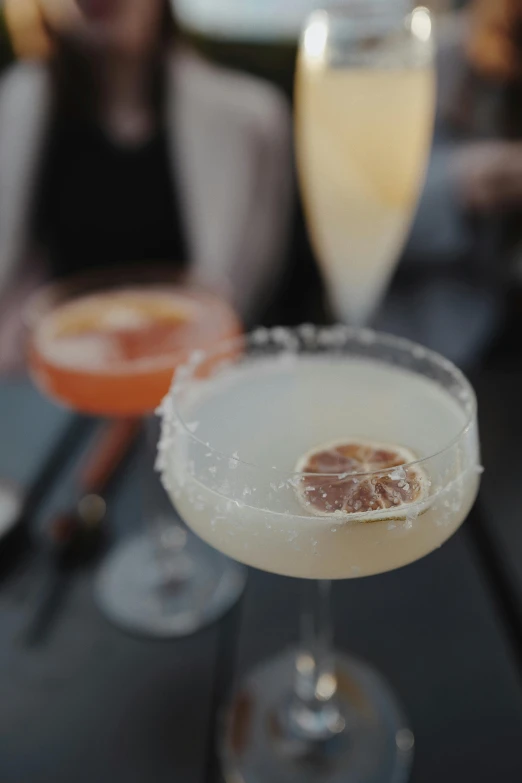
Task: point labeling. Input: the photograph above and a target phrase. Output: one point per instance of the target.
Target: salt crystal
(307, 330)
(260, 336)
(281, 335)
(196, 357)
(182, 373)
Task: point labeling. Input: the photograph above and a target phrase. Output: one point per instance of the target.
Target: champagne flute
(365, 97)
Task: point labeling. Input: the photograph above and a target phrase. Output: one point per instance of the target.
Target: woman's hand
(489, 175)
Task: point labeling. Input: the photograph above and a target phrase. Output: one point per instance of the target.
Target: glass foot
(137, 596)
(369, 743)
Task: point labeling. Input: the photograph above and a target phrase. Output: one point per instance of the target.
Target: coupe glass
(234, 426)
(365, 97)
(163, 582)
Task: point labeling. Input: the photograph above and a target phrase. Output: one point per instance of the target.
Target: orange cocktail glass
(113, 352)
(105, 346)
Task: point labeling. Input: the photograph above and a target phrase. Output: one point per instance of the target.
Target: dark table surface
(95, 704)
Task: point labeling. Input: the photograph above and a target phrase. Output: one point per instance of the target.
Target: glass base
(137, 596)
(371, 742)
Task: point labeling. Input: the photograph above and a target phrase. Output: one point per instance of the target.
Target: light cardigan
(230, 138)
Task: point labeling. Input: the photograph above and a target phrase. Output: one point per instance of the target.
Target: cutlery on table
(76, 536)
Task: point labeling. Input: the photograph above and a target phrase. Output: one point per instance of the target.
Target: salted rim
(191, 299)
(184, 374)
(419, 507)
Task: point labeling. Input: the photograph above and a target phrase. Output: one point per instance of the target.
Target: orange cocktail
(113, 352)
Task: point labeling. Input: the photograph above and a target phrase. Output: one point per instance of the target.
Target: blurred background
(102, 115)
(158, 131)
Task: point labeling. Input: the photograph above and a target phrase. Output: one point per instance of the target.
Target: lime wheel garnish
(373, 480)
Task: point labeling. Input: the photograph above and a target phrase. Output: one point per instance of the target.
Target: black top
(99, 204)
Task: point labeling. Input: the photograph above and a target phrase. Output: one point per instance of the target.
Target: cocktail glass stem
(165, 582)
(168, 534)
(313, 712)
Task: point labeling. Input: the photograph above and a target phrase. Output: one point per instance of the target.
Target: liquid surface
(363, 139)
(115, 352)
(267, 414)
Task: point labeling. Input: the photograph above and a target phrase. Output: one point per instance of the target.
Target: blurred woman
(124, 147)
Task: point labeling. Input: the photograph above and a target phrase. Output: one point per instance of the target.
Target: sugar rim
(334, 335)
